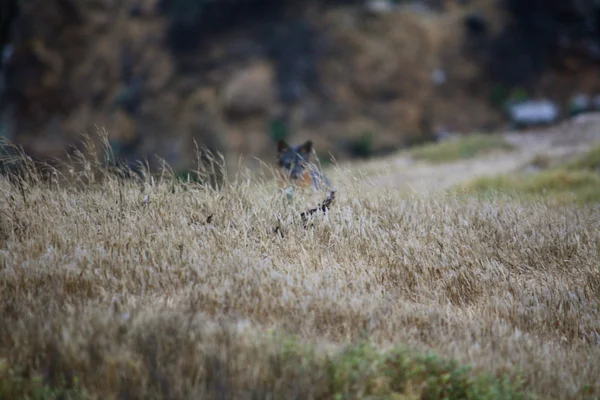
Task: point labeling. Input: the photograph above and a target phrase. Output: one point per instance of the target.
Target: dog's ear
(306, 148)
(282, 146)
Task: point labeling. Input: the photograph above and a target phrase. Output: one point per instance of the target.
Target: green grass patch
(360, 371)
(576, 181)
(590, 161)
(465, 147)
(15, 383)
(561, 186)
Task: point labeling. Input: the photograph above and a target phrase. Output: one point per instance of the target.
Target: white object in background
(534, 112)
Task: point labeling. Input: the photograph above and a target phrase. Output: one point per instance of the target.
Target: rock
(250, 91)
(533, 112)
(379, 6)
(438, 77)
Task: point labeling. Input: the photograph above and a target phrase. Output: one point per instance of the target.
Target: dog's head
(293, 160)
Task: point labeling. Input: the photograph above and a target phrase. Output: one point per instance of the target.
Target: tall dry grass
(156, 288)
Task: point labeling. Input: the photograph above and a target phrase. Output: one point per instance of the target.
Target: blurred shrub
(362, 146)
(502, 95)
(538, 33)
(8, 12)
(193, 20)
(278, 129)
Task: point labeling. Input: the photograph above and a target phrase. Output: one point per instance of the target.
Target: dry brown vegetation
(80, 64)
(169, 289)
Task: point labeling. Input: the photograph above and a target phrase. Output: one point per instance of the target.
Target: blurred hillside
(358, 78)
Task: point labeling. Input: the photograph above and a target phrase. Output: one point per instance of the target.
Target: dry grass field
(112, 288)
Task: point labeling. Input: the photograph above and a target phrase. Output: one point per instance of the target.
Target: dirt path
(402, 172)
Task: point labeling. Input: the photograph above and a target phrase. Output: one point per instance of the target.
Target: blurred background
(359, 78)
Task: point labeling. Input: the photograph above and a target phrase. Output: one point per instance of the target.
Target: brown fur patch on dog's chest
(304, 181)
